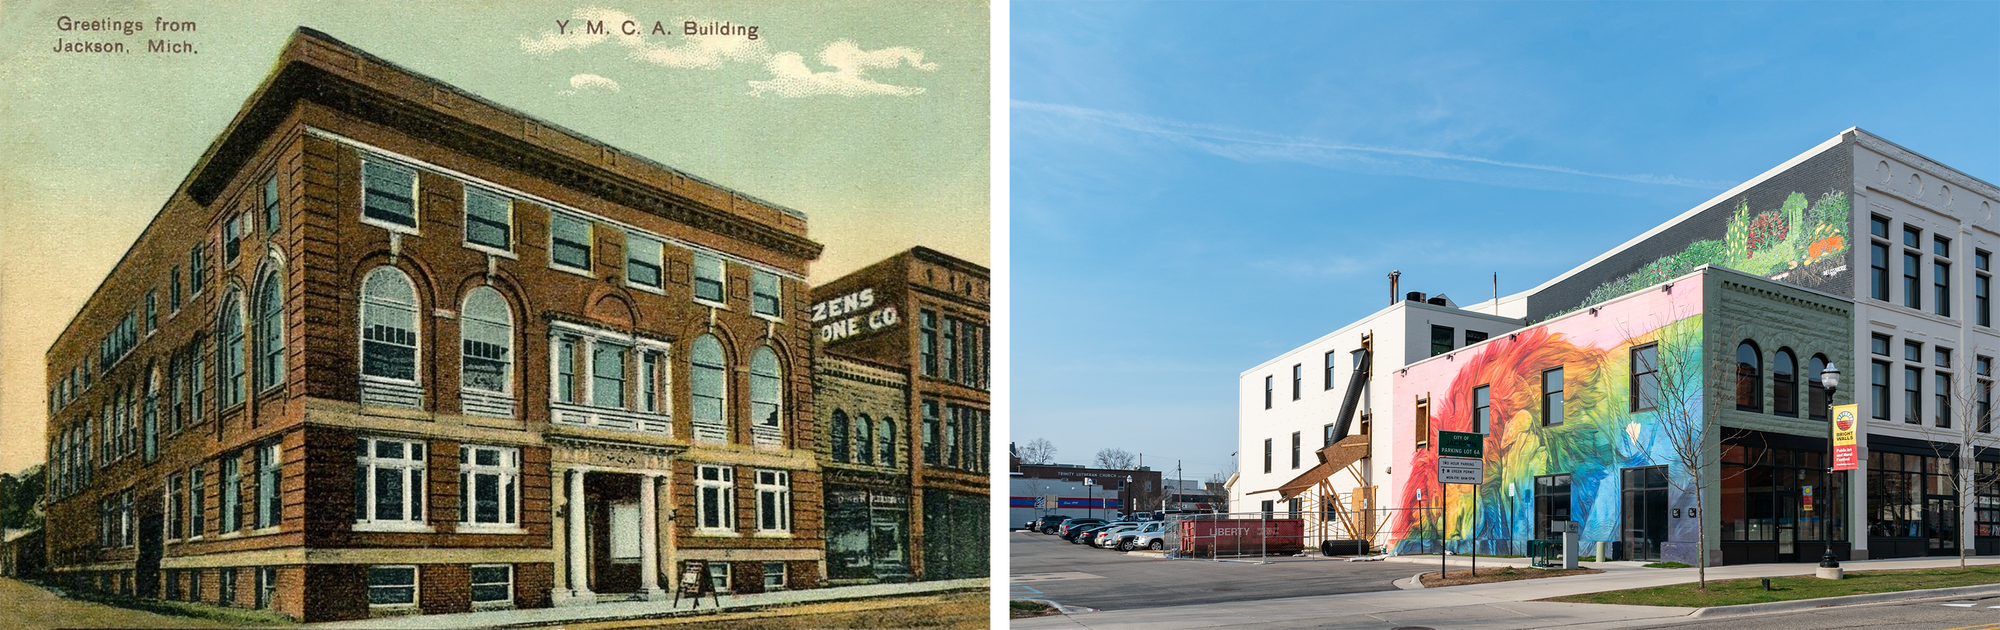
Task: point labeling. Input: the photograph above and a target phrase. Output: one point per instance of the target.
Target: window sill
(645, 287)
(393, 227)
(711, 304)
(490, 529)
(491, 250)
(775, 319)
(571, 270)
(773, 534)
(413, 528)
(718, 533)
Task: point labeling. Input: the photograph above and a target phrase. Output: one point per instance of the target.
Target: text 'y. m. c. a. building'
(394, 348)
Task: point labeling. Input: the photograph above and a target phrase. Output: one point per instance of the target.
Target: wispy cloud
(1256, 146)
(589, 82)
(846, 63)
(791, 77)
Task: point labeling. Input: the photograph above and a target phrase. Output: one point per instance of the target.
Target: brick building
(428, 354)
(924, 315)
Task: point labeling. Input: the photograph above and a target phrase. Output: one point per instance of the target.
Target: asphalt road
(1047, 567)
(1928, 614)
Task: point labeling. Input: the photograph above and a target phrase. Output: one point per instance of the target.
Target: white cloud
(792, 79)
(1256, 146)
(589, 82)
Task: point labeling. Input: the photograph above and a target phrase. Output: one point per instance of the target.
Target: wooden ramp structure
(1337, 516)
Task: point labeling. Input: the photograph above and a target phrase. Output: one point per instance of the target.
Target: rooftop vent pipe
(1393, 275)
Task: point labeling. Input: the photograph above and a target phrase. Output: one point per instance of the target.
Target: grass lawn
(1019, 609)
(225, 615)
(1500, 574)
(1750, 591)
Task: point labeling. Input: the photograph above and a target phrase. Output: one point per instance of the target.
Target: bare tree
(1115, 458)
(1959, 426)
(1685, 418)
(1038, 451)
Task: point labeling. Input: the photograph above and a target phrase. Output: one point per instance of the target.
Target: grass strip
(1018, 609)
(224, 615)
(1751, 590)
(1502, 574)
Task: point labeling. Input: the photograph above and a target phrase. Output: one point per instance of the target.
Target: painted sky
(870, 117)
(1199, 187)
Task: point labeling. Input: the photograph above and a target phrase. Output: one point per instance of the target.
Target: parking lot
(1047, 567)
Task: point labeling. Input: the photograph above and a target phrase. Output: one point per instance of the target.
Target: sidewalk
(649, 610)
(1495, 606)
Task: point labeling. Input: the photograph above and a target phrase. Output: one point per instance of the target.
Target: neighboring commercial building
(1121, 490)
(1194, 495)
(1034, 497)
(394, 348)
(866, 465)
(1907, 239)
(925, 315)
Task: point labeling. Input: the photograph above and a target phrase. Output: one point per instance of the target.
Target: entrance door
(1644, 523)
(1941, 525)
(147, 570)
(1787, 495)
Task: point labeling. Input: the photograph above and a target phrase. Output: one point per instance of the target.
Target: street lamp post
(1132, 502)
(1830, 377)
(1090, 492)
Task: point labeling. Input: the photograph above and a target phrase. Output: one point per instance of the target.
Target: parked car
(1077, 534)
(1127, 540)
(1090, 536)
(1068, 528)
(1151, 538)
(1048, 522)
(1110, 538)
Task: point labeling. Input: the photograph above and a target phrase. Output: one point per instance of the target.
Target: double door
(1643, 525)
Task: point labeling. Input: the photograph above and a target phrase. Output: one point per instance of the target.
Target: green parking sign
(1461, 444)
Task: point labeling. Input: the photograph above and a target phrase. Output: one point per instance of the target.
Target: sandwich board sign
(696, 581)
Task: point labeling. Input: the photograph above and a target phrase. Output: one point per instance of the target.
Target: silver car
(1152, 536)
(1112, 538)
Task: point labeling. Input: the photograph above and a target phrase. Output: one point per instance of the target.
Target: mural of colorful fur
(1597, 436)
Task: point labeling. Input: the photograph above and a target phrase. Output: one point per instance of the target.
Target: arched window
(486, 333)
(887, 438)
(1749, 372)
(229, 353)
(864, 445)
(1816, 403)
(1785, 384)
(389, 325)
(764, 387)
(270, 331)
(710, 380)
(837, 435)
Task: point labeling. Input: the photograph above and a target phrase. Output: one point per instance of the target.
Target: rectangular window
(1878, 226)
(607, 375)
(1980, 260)
(1913, 395)
(197, 503)
(1941, 246)
(1913, 238)
(1267, 455)
(715, 494)
(927, 342)
(267, 586)
(774, 501)
(174, 510)
(232, 239)
(389, 481)
(649, 382)
(389, 194)
(1982, 299)
(1552, 503)
(1941, 287)
(1878, 271)
(930, 410)
(272, 217)
(1879, 344)
(1295, 450)
(709, 274)
(1913, 350)
(569, 242)
(1942, 381)
(232, 493)
(1552, 397)
(1329, 369)
(1878, 392)
(953, 328)
(643, 260)
(225, 586)
(489, 219)
(269, 493)
(1441, 338)
(774, 576)
(1985, 409)
(1326, 434)
(764, 293)
(718, 576)
(1911, 285)
(489, 486)
(1942, 356)
(392, 586)
(492, 584)
(152, 311)
(1482, 408)
(1268, 507)
(197, 270)
(567, 387)
(1267, 390)
(1645, 387)
(1474, 336)
(1298, 380)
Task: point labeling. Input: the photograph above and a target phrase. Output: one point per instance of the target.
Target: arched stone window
(864, 443)
(710, 380)
(1785, 384)
(837, 435)
(486, 334)
(270, 331)
(229, 351)
(1749, 375)
(765, 397)
(887, 438)
(389, 325)
(1816, 402)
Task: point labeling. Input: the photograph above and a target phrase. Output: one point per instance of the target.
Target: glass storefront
(1779, 504)
(955, 534)
(1912, 506)
(867, 534)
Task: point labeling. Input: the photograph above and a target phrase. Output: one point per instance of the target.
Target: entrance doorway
(613, 500)
(1644, 525)
(146, 571)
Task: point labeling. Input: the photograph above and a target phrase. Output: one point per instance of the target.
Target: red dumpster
(1242, 536)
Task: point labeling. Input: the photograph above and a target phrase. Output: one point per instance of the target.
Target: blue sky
(1199, 187)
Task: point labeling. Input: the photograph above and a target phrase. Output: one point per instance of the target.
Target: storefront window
(1772, 494)
(1910, 496)
(1987, 517)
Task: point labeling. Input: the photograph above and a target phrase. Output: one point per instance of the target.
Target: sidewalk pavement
(1493, 606)
(652, 609)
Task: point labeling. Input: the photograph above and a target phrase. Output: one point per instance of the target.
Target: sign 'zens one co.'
(852, 315)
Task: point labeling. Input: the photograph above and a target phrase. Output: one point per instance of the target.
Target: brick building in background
(924, 315)
(427, 354)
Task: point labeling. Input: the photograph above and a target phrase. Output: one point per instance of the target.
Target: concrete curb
(1848, 600)
(1412, 583)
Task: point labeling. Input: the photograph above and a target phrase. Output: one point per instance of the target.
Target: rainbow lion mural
(1597, 437)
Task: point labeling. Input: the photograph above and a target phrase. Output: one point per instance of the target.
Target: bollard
(1600, 551)
(1569, 546)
